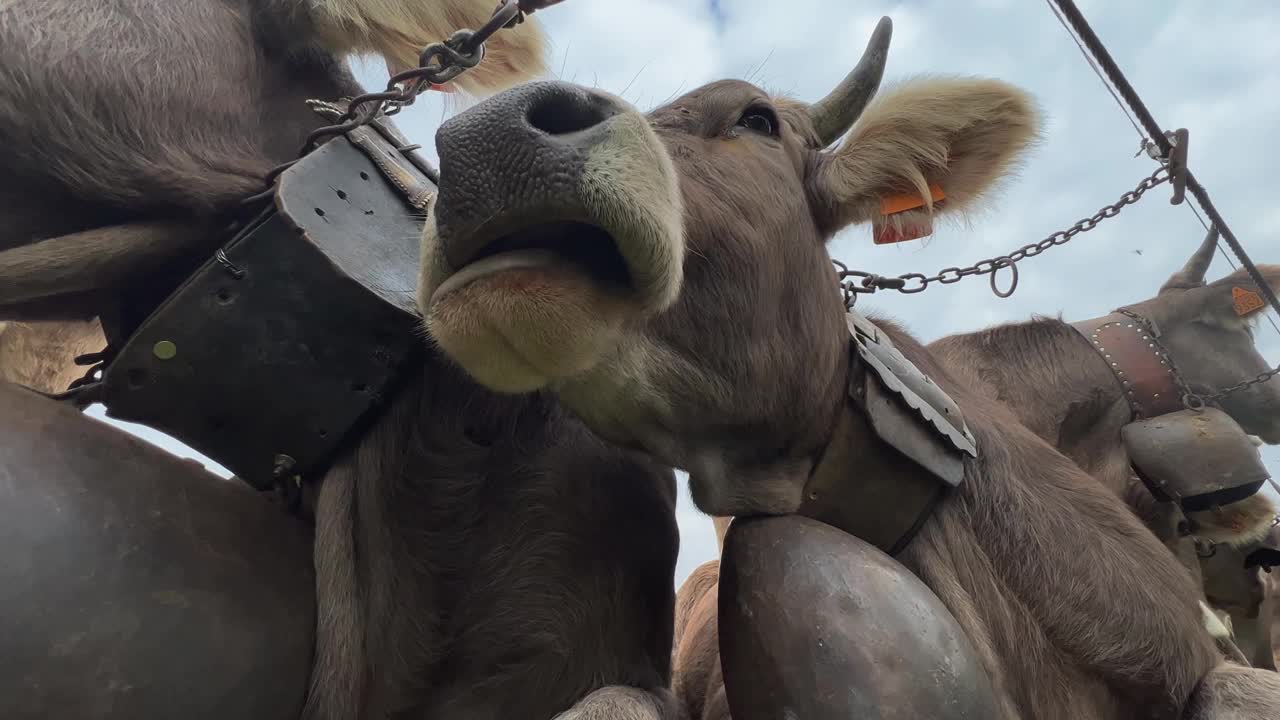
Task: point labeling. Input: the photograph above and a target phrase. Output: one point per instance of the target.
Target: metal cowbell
(816, 624)
(1199, 458)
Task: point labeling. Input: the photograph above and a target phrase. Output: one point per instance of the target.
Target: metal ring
(1192, 401)
(919, 277)
(1213, 548)
(998, 264)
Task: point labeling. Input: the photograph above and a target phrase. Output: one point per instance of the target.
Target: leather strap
(1136, 359)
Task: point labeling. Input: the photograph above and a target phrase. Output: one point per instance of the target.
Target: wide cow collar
(1132, 350)
(278, 350)
(898, 447)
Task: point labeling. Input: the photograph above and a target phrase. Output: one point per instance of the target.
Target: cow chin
(523, 329)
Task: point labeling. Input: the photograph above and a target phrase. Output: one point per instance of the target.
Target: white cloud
(1216, 72)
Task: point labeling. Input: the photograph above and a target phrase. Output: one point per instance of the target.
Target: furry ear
(1236, 296)
(399, 29)
(958, 134)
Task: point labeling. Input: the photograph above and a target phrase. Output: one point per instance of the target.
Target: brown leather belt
(1132, 350)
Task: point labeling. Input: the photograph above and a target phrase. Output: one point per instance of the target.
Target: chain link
(438, 63)
(1256, 380)
(911, 283)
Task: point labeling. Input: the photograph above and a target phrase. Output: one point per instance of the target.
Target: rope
(1097, 71)
(1146, 142)
(1157, 136)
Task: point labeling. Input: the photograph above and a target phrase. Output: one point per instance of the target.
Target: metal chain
(911, 283)
(438, 63)
(1256, 380)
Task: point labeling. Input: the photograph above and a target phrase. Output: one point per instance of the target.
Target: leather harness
(898, 447)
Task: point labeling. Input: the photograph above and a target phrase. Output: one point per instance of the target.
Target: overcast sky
(1197, 64)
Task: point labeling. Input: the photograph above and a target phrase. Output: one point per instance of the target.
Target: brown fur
(486, 557)
(1074, 609)
(1273, 605)
(37, 354)
(698, 681)
(1231, 692)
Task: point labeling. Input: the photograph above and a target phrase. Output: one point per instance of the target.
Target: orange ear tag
(1246, 302)
(884, 232)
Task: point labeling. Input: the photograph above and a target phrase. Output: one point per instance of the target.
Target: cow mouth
(544, 248)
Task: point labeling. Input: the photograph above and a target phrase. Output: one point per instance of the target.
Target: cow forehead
(708, 107)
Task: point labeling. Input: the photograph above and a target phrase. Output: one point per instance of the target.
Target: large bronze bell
(1199, 458)
(135, 585)
(819, 625)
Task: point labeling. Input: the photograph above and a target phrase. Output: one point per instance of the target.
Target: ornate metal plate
(901, 376)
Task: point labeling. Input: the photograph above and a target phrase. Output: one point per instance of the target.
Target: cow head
(1211, 342)
(666, 274)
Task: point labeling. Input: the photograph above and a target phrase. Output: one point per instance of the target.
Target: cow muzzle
(558, 221)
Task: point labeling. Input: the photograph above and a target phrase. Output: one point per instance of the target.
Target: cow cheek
(523, 331)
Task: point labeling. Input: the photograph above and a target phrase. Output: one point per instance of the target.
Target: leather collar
(894, 453)
(1132, 350)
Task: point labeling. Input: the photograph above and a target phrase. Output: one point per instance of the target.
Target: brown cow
(130, 129)
(477, 556)
(1062, 390)
(1245, 596)
(666, 274)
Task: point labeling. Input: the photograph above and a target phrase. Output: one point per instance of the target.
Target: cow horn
(1192, 274)
(836, 113)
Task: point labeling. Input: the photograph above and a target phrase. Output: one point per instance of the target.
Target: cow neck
(1130, 346)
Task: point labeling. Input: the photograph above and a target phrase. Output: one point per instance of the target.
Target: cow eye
(759, 119)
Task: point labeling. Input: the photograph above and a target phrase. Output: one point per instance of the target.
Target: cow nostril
(567, 112)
